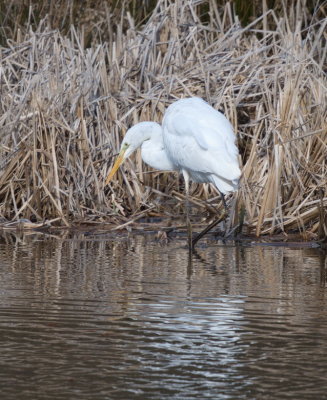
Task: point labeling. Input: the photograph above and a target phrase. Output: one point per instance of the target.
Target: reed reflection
(127, 312)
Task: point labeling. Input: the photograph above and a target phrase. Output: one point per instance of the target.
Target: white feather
(194, 138)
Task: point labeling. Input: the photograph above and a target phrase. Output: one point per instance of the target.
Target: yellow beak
(117, 164)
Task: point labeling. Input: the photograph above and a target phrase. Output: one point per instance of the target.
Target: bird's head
(133, 139)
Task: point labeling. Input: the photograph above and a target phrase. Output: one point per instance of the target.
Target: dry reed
(65, 107)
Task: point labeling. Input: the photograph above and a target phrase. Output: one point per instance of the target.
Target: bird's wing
(200, 139)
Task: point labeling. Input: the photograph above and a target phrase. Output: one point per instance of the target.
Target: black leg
(189, 226)
(212, 225)
(207, 229)
(224, 201)
(188, 221)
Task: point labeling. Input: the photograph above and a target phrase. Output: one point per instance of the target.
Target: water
(103, 317)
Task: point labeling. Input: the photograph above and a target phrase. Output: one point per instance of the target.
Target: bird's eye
(125, 146)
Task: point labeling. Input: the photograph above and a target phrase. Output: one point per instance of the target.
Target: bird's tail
(224, 185)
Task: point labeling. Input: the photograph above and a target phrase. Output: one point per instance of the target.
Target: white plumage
(194, 139)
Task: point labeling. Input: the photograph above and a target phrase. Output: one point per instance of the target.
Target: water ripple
(130, 319)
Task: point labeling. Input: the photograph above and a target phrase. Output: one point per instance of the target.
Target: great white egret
(194, 139)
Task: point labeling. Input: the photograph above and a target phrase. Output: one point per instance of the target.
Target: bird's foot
(207, 229)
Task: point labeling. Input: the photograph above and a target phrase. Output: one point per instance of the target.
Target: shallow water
(97, 317)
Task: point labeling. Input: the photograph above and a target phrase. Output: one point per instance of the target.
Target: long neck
(153, 150)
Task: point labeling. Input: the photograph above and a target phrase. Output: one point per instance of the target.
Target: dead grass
(65, 108)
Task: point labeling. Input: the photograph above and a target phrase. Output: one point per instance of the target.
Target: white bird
(194, 139)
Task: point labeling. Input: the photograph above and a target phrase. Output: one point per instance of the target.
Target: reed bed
(65, 107)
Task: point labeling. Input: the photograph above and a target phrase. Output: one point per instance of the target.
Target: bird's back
(201, 141)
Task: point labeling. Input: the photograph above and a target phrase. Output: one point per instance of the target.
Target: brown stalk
(66, 102)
